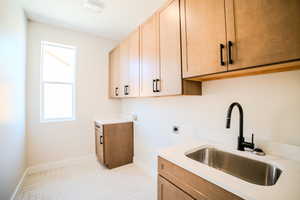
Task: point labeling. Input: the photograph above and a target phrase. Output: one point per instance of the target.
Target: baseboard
(59, 164)
(20, 184)
(49, 166)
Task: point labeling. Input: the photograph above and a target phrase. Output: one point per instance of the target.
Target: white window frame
(42, 84)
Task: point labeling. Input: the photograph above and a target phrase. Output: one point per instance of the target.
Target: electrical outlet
(175, 129)
(134, 117)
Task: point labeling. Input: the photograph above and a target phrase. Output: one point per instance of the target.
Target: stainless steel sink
(252, 171)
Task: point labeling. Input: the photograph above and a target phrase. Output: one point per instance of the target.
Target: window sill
(43, 121)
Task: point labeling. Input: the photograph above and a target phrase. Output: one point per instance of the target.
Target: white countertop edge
(285, 188)
(112, 121)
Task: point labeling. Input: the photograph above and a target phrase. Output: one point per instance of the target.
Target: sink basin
(249, 170)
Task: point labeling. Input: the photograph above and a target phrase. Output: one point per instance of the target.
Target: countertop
(286, 188)
(112, 121)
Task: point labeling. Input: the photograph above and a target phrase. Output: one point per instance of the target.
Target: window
(57, 82)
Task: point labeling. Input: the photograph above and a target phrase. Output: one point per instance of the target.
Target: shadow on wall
(6, 104)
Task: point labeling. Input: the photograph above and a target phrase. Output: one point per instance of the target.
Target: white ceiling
(118, 18)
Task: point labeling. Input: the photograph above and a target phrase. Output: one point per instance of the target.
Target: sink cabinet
(176, 183)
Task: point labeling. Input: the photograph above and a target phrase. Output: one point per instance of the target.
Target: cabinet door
(168, 191)
(124, 67)
(134, 64)
(149, 56)
(170, 49)
(118, 144)
(203, 31)
(263, 31)
(114, 60)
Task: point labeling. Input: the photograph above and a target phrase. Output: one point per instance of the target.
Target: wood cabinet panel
(118, 144)
(263, 31)
(170, 49)
(114, 72)
(168, 191)
(134, 64)
(149, 56)
(124, 66)
(99, 145)
(203, 31)
(289, 66)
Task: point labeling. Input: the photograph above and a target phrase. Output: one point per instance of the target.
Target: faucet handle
(252, 141)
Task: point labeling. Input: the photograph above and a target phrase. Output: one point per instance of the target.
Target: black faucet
(241, 140)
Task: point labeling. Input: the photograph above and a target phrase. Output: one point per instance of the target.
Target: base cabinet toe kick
(176, 183)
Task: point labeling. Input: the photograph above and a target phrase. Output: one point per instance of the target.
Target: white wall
(271, 112)
(49, 142)
(12, 96)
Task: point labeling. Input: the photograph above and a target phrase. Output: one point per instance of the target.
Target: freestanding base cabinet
(114, 143)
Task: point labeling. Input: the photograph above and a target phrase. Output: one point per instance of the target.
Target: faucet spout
(241, 140)
(229, 112)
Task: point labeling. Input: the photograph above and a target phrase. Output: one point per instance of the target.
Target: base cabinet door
(168, 191)
(118, 144)
(262, 32)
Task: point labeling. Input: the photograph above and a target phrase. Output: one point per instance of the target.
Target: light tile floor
(89, 181)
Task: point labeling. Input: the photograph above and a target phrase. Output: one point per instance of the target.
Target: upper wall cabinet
(170, 49)
(203, 37)
(150, 58)
(133, 88)
(262, 31)
(256, 33)
(161, 53)
(198, 40)
(125, 67)
(150, 73)
(114, 62)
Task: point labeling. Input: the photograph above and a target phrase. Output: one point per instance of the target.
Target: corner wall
(12, 96)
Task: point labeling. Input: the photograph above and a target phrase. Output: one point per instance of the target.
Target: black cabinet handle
(126, 90)
(117, 91)
(154, 85)
(221, 54)
(230, 44)
(101, 139)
